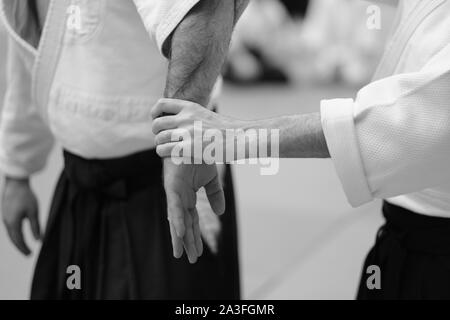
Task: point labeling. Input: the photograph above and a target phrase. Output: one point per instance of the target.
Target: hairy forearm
(300, 136)
(198, 48)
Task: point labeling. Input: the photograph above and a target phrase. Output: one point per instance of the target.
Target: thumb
(216, 196)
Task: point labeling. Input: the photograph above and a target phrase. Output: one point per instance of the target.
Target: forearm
(300, 136)
(197, 52)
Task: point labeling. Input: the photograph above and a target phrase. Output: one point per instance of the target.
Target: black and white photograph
(221, 157)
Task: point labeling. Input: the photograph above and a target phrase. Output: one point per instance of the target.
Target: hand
(181, 182)
(19, 203)
(187, 126)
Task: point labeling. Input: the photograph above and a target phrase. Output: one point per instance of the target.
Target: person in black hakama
(109, 214)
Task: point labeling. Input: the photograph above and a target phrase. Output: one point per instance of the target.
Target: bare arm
(196, 51)
(298, 136)
(301, 136)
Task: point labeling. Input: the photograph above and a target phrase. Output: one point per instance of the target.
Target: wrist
(14, 183)
(242, 142)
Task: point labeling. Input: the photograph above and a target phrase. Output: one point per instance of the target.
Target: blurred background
(299, 239)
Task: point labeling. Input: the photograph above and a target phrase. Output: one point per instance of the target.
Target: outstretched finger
(16, 236)
(175, 213)
(197, 232)
(189, 241)
(33, 217)
(177, 243)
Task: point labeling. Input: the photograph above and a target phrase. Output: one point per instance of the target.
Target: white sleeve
(395, 137)
(25, 140)
(161, 17)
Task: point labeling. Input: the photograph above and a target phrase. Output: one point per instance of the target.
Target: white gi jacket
(393, 140)
(90, 84)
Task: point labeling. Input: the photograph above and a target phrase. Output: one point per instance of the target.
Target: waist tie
(97, 195)
(115, 177)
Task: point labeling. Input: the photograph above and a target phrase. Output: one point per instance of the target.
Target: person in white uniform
(391, 142)
(86, 73)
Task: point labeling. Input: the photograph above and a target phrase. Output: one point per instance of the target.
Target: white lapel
(393, 53)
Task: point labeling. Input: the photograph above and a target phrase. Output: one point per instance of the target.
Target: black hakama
(413, 254)
(108, 217)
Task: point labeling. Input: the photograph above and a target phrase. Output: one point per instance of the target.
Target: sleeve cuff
(172, 19)
(339, 129)
(13, 171)
(161, 19)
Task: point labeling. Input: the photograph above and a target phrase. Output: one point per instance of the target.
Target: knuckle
(175, 121)
(183, 117)
(159, 151)
(154, 110)
(159, 139)
(156, 125)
